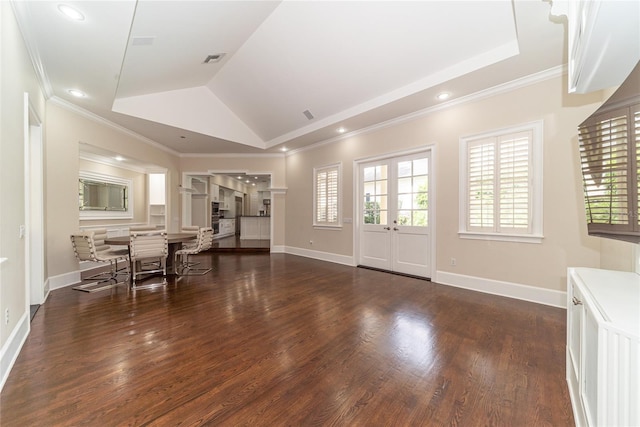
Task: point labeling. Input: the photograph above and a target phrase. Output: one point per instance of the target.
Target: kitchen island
(255, 227)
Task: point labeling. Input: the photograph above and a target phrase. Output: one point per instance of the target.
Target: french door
(394, 214)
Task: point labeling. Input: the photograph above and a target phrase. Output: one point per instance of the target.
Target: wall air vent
(308, 114)
(214, 58)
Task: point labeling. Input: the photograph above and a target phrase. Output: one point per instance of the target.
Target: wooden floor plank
(285, 340)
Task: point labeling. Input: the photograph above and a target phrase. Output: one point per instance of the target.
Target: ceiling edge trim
(21, 14)
(231, 155)
(486, 93)
(101, 120)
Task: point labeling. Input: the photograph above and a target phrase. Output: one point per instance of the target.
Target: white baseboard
(11, 348)
(323, 256)
(505, 289)
(278, 249)
(63, 280)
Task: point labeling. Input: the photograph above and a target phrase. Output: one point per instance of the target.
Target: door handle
(576, 301)
(395, 228)
(387, 228)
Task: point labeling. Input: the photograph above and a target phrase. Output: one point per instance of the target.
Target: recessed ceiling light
(341, 130)
(283, 149)
(239, 177)
(248, 181)
(255, 177)
(70, 12)
(254, 184)
(119, 158)
(443, 95)
(77, 93)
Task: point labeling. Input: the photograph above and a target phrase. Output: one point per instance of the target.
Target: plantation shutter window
(501, 184)
(326, 196)
(610, 154)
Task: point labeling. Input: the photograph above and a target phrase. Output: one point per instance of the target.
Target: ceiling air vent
(142, 41)
(308, 114)
(214, 58)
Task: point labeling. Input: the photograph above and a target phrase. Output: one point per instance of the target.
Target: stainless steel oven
(215, 217)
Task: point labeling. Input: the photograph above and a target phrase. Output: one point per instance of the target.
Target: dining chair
(144, 227)
(182, 263)
(90, 246)
(148, 252)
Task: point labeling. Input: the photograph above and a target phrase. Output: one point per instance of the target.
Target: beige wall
(542, 265)
(16, 77)
(259, 165)
(139, 184)
(65, 130)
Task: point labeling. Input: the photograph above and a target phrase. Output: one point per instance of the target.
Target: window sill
(328, 227)
(518, 238)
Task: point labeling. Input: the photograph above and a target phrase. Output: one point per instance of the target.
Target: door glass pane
(404, 185)
(374, 207)
(420, 167)
(413, 192)
(404, 201)
(369, 174)
(404, 217)
(404, 169)
(420, 218)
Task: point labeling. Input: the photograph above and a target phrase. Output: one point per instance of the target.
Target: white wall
(16, 77)
(66, 128)
(539, 266)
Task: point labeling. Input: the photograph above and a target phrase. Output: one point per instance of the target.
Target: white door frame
(357, 191)
(37, 290)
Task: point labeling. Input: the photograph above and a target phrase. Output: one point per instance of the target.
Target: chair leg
(188, 270)
(105, 283)
(138, 269)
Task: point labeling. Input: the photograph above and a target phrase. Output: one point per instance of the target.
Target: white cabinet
(603, 346)
(214, 192)
(255, 228)
(157, 214)
(227, 228)
(603, 41)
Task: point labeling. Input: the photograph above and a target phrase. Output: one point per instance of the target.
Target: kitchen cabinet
(603, 41)
(214, 192)
(603, 346)
(227, 228)
(255, 228)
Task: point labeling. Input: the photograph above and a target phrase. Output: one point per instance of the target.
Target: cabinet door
(589, 381)
(576, 314)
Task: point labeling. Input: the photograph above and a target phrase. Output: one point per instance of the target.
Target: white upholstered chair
(90, 246)
(148, 251)
(182, 263)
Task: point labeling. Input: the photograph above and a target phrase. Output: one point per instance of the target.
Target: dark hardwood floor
(284, 340)
(233, 244)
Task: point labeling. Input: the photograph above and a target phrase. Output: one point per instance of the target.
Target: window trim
(316, 171)
(536, 185)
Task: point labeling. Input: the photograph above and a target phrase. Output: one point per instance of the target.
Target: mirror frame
(107, 214)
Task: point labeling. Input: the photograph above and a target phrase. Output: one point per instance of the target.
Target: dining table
(174, 240)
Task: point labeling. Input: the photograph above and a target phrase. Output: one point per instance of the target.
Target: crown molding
(21, 12)
(278, 190)
(231, 155)
(96, 158)
(101, 120)
(483, 94)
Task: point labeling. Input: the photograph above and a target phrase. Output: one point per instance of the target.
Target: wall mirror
(103, 197)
